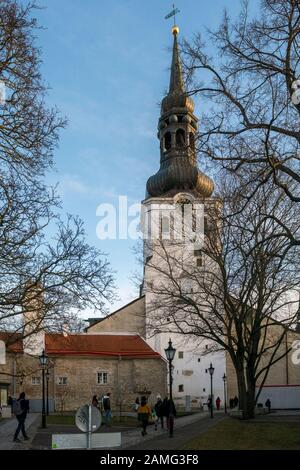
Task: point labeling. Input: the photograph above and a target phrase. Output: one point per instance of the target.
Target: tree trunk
(250, 404)
(246, 390)
(251, 382)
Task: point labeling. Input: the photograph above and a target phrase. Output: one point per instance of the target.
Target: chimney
(33, 319)
(65, 330)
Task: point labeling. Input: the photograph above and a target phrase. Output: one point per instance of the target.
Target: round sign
(82, 418)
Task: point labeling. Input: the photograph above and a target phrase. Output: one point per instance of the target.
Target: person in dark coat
(159, 410)
(107, 409)
(170, 414)
(235, 401)
(218, 403)
(268, 405)
(164, 406)
(21, 410)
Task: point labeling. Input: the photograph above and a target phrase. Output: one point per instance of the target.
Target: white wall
(282, 397)
(190, 371)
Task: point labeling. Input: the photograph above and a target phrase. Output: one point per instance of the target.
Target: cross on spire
(173, 14)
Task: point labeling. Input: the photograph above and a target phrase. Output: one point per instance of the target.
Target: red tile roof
(132, 346)
(12, 340)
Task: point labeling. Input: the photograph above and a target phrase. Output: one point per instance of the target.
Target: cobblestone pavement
(7, 430)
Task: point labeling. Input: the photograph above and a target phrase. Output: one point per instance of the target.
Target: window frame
(35, 382)
(61, 382)
(103, 381)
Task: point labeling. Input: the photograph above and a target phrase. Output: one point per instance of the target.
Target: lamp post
(211, 372)
(170, 353)
(225, 397)
(47, 392)
(43, 361)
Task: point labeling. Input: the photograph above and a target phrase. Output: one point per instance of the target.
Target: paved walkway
(131, 437)
(185, 429)
(7, 430)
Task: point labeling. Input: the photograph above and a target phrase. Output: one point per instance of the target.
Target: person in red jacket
(218, 403)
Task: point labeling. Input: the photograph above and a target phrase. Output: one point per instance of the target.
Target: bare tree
(249, 84)
(54, 277)
(239, 296)
(28, 129)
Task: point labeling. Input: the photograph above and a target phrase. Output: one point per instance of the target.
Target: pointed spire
(176, 79)
(177, 127)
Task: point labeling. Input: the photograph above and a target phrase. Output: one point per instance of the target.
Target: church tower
(175, 214)
(179, 196)
(177, 127)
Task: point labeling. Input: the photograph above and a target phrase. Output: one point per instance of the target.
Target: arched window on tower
(167, 141)
(192, 141)
(180, 138)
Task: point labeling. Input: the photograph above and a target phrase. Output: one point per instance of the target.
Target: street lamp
(170, 353)
(47, 391)
(211, 372)
(43, 361)
(225, 397)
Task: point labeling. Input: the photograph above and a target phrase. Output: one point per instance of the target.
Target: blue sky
(107, 64)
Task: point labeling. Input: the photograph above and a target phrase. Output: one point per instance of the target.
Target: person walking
(159, 410)
(235, 401)
(268, 405)
(208, 403)
(20, 409)
(171, 414)
(144, 413)
(218, 403)
(107, 409)
(164, 410)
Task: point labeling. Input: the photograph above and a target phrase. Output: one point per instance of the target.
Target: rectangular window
(180, 354)
(36, 380)
(205, 226)
(102, 378)
(180, 388)
(199, 261)
(62, 380)
(197, 252)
